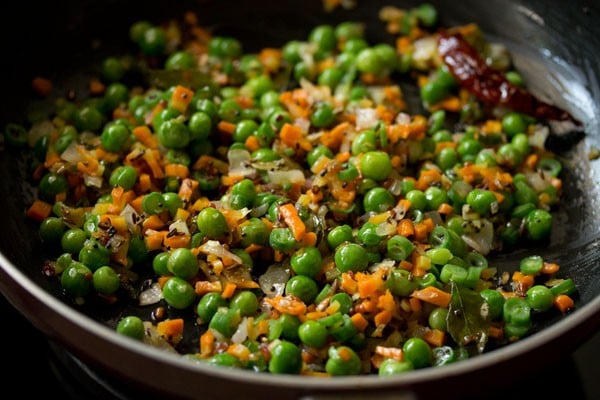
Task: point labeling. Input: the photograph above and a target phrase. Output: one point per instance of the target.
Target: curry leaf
(467, 317)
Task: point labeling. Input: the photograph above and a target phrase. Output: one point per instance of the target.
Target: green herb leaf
(467, 319)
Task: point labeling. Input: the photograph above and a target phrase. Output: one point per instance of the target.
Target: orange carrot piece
(564, 303)
(287, 305)
(153, 239)
(550, 268)
(181, 98)
(39, 210)
(406, 227)
(435, 337)
(226, 127)
(171, 328)
(383, 317)
(348, 284)
(207, 344)
(177, 241)
(252, 143)
(359, 321)
(145, 136)
(179, 170)
(293, 220)
(229, 290)
(42, 86)
(203, 287)
(390, 352)
(333, 138)
(433, 295)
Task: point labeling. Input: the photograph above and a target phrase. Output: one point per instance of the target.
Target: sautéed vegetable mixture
(289, 211)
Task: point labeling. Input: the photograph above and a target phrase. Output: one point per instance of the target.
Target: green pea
(351, 257)
(317, 152)
(531, 265)
(265, 155)
(435, 197)
(174, 134)
(76, 280)
(439, 256)
(225, 360)
(93, 254)
(540, 298)
(245, 302)
(88, 118)
(513, 123)
(349, 29)
(306, 261)
(302, 287)
(516, 311)
(339, 235)
(131, 326)
(368, 61)
(72, 240)
(482, 201)
(331, 77)
(344, 300)
(342, 361)
(208, 306)
(51, 230)
(112, 69)
(105, 280)
(398, 248)
(243, 194)
(124, 176)
(401, 283)
(200, 125)
(182, 262)
(323, 115)
(390, 367)
(447, 158)
(159, 263)
(378, 200)
(418, 352)
(313, 333)
(153, 203)
(212, 223)
(550, 166)
(417, 199)
(15, 135)
(153, 41)
(538, 224)
(180, 60)
(137, 252)
(495, 302)
(178, 293)
(254, 231)
(368, 235)
(437, 318)
(286, 358)
(375, 165)
(51, 185)
(446, 238)
(282, 239)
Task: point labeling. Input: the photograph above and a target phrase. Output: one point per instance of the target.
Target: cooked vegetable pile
(289, 211)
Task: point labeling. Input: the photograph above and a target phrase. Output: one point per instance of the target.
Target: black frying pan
(557, 48)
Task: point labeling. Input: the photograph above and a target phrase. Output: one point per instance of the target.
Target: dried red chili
(490, 85)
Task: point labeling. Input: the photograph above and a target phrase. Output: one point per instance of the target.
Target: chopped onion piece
(366, 118)
(94, 181)
(152, 295)
(283, 177)
(73, 153)
(38, 130)
(241, 332)
(216, 248)
(132, 218)
(482, 240)
(239, 162)
(273, 281)
(424, 51)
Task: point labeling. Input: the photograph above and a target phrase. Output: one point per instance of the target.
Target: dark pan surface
(556, 46)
